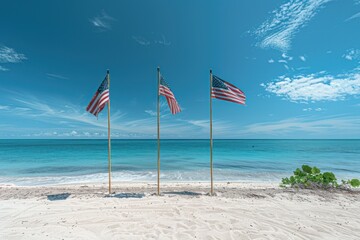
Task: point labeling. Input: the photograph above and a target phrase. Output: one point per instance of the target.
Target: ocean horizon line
(134, 139)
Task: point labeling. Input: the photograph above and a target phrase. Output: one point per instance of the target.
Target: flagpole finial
(210, 71)
(158, 68)
(107, 71)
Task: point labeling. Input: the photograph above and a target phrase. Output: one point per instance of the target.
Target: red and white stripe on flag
(226, 91)
(170, 98)
(100, 98)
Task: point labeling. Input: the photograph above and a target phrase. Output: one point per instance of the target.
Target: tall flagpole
(109, 139)
(158, 132)
(211, 138)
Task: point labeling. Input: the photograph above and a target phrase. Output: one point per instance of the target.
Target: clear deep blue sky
(298, 63)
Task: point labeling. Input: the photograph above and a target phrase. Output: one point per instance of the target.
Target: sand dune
(239, 211)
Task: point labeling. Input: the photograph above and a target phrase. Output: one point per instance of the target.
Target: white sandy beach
(184, 211)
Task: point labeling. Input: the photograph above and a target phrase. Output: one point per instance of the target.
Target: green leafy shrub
(311, 177)
(353, 182)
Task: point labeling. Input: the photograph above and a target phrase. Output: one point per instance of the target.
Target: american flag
(165, 90)
(100, 98)
(226, 91)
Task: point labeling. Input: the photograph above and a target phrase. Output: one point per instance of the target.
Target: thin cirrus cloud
(286, 58)
(357, 15)
(9, 55)
(52, 75)
(61, 119)
(316, 87)
(279, 31)
(164, 110)
(3, 107)
(313, 109)
(73, 122)
(146, 42)
(141, 40)
(352, 54)
(162, 41)
(3, 69)
(102, 22)
(151, 112)
(329, 127)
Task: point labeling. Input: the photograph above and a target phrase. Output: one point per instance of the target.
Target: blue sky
(298, 63)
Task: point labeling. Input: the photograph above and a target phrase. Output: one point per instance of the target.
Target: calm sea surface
(40, 162)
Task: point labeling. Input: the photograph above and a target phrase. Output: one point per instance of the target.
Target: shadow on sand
(56, 197)
(184, 193)
(127, 195)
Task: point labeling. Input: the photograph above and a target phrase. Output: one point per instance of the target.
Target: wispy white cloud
(9, 55)
(140, 40)
(156, 40)
(221, 128)
(352, 54)
(63, 119)
(22, 109)
(164, 110)
(287, 62)
(163, 41)
(103, 21)
(286, 21)
(2, 107)
(28, 106)
(73, 122)
(3, 69)
(67, 134)
(323, 127)
(151, 112)
(302, 68)
(316, 87)
(51, 75)
(200, 123)
(287, 57)
(357, 15)
(313, 109)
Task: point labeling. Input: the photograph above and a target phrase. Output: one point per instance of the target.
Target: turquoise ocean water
(41, 162)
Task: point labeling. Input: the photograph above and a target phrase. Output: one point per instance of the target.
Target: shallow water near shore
(42, 162)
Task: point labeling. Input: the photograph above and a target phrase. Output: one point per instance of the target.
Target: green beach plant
(312, 177)
(353, 182)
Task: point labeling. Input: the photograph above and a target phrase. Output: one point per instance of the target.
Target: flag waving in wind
(97, 103)
(100, 98)
(165, 90)
(226, 91)
(223, 90)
